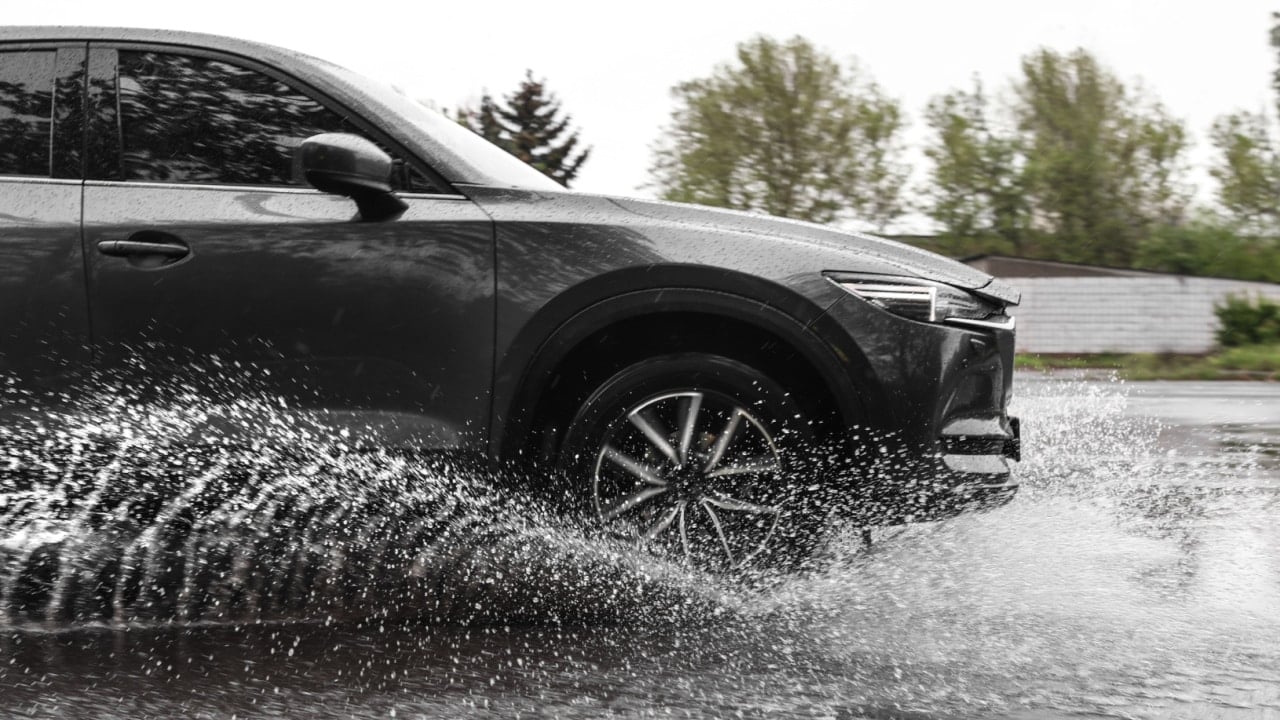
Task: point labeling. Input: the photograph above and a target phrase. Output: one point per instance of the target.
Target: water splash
(108, 516)
(1134, 576)
(1126, 580)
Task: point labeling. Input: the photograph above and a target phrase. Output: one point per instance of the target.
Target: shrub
(1211, 249)
(1247, 322)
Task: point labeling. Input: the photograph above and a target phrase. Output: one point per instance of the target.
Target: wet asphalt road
(1136, 575)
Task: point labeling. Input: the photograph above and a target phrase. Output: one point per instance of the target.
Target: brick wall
(1155, 313)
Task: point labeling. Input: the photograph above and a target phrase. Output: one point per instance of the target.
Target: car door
(210, 264)
(44, 326)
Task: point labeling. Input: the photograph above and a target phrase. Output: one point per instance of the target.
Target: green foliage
(1101, 165)
(1274, 37)
(1252, 358)
(1101, 361)
(528, 125)
(1247, 170)
(1085, 169)
(1260, 362)
(1213, 249)
(1248, 322)
(977, 193)
(1248, 164)
(785, 130)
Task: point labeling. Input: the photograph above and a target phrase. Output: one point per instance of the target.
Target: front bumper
(980, 476)
(934, 437)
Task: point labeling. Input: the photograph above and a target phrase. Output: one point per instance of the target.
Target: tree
(788, 131)
(528, 125)
(1158, 187)
(977, 192)
(1275, 46)
(1084, 169)
(1102, 164)
(1247, 170)
(1248, 166)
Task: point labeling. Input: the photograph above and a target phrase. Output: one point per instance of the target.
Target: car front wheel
(693, 456)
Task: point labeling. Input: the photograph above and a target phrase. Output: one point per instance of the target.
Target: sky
(612, 64)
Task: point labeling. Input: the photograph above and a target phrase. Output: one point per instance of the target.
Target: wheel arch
(584, 334)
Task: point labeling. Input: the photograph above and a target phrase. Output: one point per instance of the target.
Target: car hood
(913, 261)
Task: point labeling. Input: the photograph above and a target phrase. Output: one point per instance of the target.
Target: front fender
(579, 313)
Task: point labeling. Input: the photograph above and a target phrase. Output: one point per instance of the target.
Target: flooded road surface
(1136, 575)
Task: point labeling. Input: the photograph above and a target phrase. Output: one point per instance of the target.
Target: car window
(188, 119)
(26, 112)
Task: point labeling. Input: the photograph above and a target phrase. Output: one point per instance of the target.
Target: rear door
(212, 265)
(44, 327)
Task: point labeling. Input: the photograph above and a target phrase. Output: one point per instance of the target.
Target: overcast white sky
(613, 63)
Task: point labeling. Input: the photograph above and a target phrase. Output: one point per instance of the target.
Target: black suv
(698, 379)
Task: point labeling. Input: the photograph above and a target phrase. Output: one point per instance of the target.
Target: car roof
(44, 33)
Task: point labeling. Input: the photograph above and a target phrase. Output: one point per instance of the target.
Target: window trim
(68, 163)
(36, 180)
(230, 187)
(320, 97)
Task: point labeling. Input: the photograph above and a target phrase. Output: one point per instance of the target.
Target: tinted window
(26, 112)
(197, 120)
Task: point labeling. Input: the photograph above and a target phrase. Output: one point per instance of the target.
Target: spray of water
(1129, 578)
(1126, 580)
(110, 515)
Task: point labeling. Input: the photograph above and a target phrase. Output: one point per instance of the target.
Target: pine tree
(528, 125)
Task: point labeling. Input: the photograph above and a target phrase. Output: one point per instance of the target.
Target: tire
(692, 456)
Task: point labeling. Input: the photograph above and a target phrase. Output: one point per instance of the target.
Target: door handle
(146, 249)
(125, 248)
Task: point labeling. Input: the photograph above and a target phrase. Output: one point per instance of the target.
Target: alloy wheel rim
(692, 474)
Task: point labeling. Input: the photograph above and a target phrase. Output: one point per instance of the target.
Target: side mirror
(349, 165)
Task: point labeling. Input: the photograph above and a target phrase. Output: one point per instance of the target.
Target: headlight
(924, 300)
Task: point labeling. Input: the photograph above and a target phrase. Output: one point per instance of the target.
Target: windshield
(446, 137)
